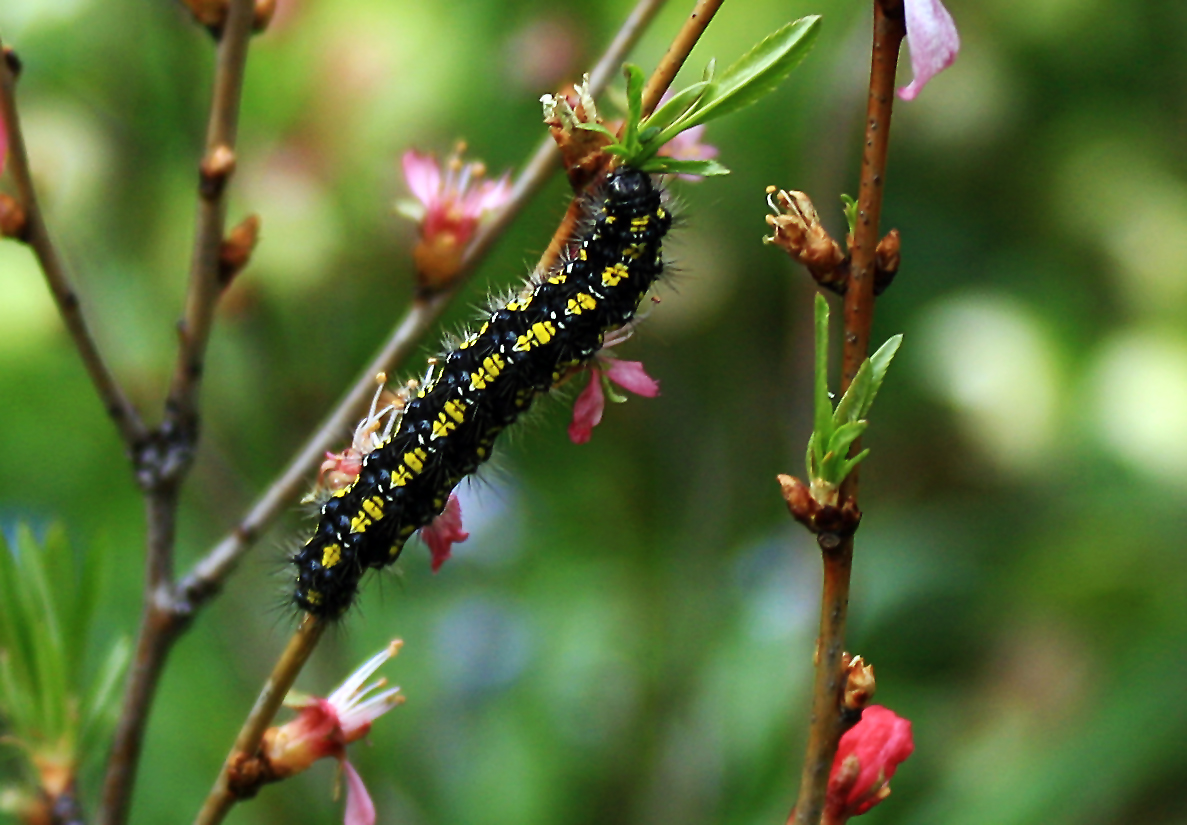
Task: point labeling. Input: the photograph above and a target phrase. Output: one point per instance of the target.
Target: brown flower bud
(886, 260)
(210, 13)
(859, 683)
(13, 223)
(216, 169)
(13, 62)
(265, 9)
(798, 231)
(799, 500)
(235, 252)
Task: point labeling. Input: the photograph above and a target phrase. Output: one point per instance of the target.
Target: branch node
(216, 170)
(235, 253)
(264, 11)
(886, 261)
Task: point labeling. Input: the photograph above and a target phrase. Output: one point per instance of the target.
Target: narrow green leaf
(673, 109)
(848, 466)
(823, 419)
(755, 75)
(710, 70)
(597, 127)
(44, 632)
(634, 99)
(670, 166)
(880, 362)
(99, 707)
(851, 402)
(809, 459)
(850, 212)
(845, 435)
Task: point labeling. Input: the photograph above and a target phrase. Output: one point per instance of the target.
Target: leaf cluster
(755, 75)
(47, 606)
(835, 430)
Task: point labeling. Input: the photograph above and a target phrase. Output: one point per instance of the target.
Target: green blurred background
(627, 635)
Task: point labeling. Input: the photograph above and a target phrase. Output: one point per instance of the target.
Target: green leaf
(634, 99)
(670, 166)
(674, 109)
(844, 436)
(710, 70)
(850, 212)
(823, 419)
(99, 708)
(597, 127)
(880, 362)
(851, 402)
(755, 75)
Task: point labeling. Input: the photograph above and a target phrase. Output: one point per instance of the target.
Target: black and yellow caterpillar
(524, 348)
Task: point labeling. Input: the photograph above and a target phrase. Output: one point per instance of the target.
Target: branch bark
(36, 234)
(167, 457)
(827, 722)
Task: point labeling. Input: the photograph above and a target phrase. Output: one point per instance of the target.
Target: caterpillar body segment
(525, 346)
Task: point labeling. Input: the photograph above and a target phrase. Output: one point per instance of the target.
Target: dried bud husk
(13, 222)
(581, 149)
(798, 231)
(799, 500)
(859, 683)
(830, 522)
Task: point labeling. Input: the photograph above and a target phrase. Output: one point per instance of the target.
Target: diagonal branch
(208, 574)
(221, 798)
(218, 165)
(36, 235)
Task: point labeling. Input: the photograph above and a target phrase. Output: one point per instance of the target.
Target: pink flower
(324, 727)
(449, 204)
(444, 531)
(933, 40)
(867, 757)
(339, 470)
(587, 410)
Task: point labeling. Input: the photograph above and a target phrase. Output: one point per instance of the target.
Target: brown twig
(678, 52)
(35, 233)
(220, 800)
(217, 167)
(208, 574)
(828, 722)
(164, 462)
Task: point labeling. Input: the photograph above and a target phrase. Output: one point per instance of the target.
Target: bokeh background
(627, 635)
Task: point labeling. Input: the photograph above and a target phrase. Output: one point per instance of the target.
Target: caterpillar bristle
(528, 343)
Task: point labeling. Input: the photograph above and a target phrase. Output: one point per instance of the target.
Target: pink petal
(496, 193)
(630, 376)
(444, 532)
(587, 409)
(360, 810)
(933, 40)
(423, 174)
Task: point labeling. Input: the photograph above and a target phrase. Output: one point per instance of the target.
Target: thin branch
(678, 52)
(204, 580)
(218, 165)
(220, 800)
(828, 723)
(162, 468)
(36, 235)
